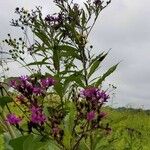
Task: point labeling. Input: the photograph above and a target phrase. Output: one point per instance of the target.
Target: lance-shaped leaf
(4, 100)
(105, 75)
(56, 58)
(37, 63)
(69, 51)
(77, 77)
(42, 36)
(68, 127)
(96, 63)
(58, 87)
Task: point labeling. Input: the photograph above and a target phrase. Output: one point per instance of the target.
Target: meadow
(130, 130)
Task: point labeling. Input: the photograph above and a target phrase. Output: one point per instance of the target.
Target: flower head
(102, 114)
(13, 84)
(37, 90)
(37, 116)
(97, 2)
(89, 93)
(13, 119)
(90, 116)
(93, 94)
(104, 96)
(24, 78)
(46, 83)
(54, 18)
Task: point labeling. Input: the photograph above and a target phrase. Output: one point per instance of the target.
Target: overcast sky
(125, 28)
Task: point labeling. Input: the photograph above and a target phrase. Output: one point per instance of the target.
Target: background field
(130, 129)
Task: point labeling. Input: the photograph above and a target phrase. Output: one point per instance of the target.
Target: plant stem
(8, 126)
(91, 140)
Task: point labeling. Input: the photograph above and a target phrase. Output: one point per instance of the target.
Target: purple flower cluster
(37, 116)
(46, 83)
(13, 119)
(55, 18)
(97, 2)
(23, 85)
(27, 86)
(90, 106)
(95, 95)
(91, 116)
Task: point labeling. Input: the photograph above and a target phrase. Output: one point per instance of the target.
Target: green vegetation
(60, 105)
(130, 129)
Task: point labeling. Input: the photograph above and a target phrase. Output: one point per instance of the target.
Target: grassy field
(130, 130)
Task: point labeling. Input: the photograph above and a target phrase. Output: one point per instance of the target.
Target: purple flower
(46, 83)
(22, 85)
(102, 114)
(94, 95)
(55, 131)
(104, 96)
(90, 116)
(24, 78)
(29, 88)
(90, 93)
(13, 119)
(37, 116)
(97, 2)
(13, 84)
(54, 18)
(37, 90)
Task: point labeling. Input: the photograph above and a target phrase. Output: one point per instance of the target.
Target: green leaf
(67, 50)
(59, 89)
(44, 38)
(68, 126)
(32, 142)
(83, 18)
(4, 100)
(89, 10)
(50, 145)
(17, 143)
(76, 77)
(56, 58)
(94, 59)
(105, 75)
(97, 141)
(83, 145)
(37, 63)
(95, 64)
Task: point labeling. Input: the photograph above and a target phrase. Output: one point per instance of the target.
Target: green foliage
(61, 45)
(60, 48)
(1, 142)
(4, 100)
(33, 142)
(101, 79)
(95, 63)
(68, 125)
(126, 126)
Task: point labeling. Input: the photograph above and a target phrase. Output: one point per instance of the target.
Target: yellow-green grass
(130, 129)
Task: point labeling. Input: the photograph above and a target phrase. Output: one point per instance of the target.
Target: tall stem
(8, 126)
(84, 65)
